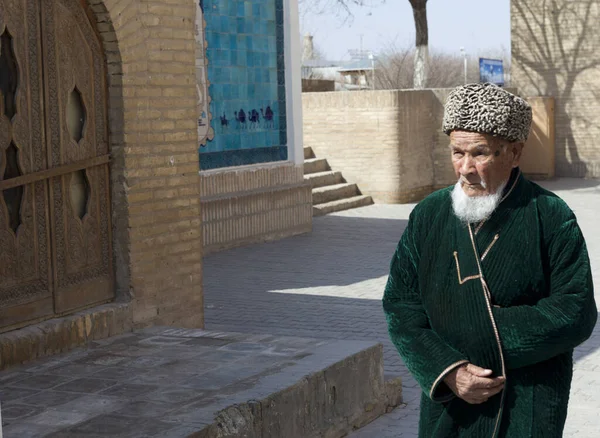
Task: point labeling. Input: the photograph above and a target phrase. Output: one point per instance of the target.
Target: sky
(482, 27)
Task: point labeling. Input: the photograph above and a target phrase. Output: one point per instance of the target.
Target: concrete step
(314, 165)
(326, 178)
(308, 153)
(264, 386)
(321, 195)
(342, 204)
(345, 391)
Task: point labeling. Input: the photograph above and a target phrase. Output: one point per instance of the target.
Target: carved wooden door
(55, 243)
(25, 286)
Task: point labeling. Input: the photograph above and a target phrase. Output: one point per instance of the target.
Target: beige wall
(390, 143)
(556, 53)
(374, 141)
(253, 204)
(443, 172)
(538, 159)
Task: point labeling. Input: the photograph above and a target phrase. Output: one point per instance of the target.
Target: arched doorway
(55, 242)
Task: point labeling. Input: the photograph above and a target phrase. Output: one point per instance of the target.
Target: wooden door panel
(25, 286)
(76, 129)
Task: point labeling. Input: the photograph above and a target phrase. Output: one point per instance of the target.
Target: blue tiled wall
(245, 52)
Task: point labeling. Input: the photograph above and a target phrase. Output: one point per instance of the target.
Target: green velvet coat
(514, 295)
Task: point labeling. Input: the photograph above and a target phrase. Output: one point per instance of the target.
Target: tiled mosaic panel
(245, 52)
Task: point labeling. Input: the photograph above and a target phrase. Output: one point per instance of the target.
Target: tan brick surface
(390, 143)
(253, 204)
(62, 334)
(152, 108)
(387, 142)
(556, 52)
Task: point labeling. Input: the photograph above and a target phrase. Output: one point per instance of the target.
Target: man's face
(482, 163)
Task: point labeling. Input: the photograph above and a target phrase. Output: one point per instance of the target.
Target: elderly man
(490, 288)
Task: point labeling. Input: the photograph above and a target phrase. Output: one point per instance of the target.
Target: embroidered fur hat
(487, 109)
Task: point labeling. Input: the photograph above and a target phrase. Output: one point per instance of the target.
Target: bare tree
(395, 68)
(445, 70)
(419, 8)
(339, 7)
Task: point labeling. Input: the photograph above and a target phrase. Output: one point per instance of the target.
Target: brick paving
(169, 382)
(328, 284)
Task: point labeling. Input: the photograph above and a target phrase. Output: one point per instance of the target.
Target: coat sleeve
(426, 355)
(565, 318)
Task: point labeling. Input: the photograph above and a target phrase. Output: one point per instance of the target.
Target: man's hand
(474, 384)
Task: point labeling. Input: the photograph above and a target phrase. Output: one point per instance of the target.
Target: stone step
(308, 152)
(314, 165)
(322, 195)
(326, 178)
(345, 391)
(342, 204)
(263, 386)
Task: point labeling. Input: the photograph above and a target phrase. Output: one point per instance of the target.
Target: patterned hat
(487, 109)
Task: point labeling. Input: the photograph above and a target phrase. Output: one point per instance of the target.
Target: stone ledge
(342, 397)
(256, 216)
(59, 335)
(208, 384)
(401, 196)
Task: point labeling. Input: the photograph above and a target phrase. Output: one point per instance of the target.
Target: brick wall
(537, 161)
(556, 52)
(253, 204)
(443, 173)
(381, 140)
(390, 143)
(150, 49)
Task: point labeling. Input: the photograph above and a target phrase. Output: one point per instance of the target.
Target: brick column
(150, 51)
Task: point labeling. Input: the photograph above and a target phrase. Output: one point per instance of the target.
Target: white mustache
(463, 181)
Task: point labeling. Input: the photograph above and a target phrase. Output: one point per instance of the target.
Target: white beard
(473, 209)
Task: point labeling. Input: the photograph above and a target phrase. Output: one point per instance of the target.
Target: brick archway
(157, 242)
(99, 15)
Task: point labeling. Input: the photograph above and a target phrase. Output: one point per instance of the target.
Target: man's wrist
(440, 390)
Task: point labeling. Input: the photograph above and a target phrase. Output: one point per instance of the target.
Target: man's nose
(468, 165)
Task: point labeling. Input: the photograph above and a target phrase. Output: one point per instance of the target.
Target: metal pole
(465, 68)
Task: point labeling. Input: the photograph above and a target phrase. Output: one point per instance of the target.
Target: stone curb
(330, 403)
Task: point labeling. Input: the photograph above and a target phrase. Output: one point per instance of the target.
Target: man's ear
(516, 149)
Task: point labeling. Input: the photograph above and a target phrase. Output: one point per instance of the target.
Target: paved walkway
(329, 284)
(171, 383)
